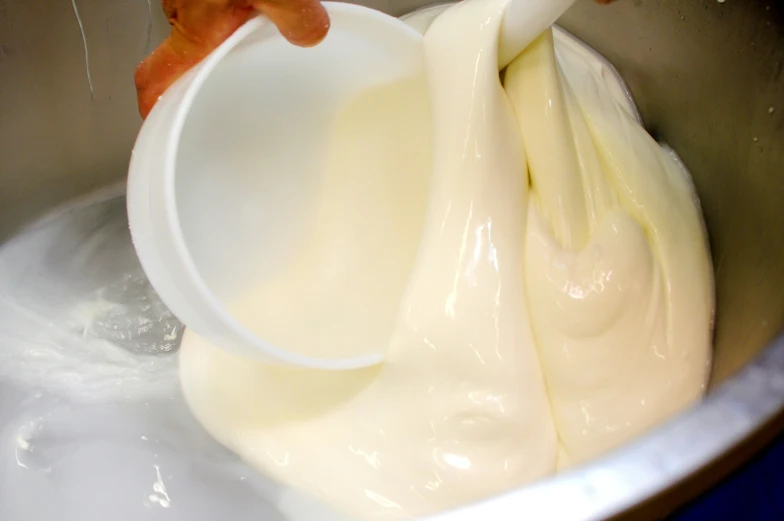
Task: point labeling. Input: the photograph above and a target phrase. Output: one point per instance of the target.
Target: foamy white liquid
(92, 423)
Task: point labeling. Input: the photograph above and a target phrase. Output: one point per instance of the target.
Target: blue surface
(753, 493)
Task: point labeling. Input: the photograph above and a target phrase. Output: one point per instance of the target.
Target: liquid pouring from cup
(228, 175)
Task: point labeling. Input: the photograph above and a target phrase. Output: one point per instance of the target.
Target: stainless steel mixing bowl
(707, 76)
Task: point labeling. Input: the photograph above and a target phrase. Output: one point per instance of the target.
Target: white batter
(546, 319)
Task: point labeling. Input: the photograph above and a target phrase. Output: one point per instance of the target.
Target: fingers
(199, 26)
(156, 74)
(302, 22)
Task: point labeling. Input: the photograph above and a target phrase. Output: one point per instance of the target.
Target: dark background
(753, 493)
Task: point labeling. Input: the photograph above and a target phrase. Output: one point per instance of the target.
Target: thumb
(302, 22)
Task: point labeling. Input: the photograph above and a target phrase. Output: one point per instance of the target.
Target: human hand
(199, 26)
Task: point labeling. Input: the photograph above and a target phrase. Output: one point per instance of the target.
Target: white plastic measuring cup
(217, 194)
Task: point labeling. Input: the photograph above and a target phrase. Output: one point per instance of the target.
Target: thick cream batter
(547, 317)
(617, 266)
